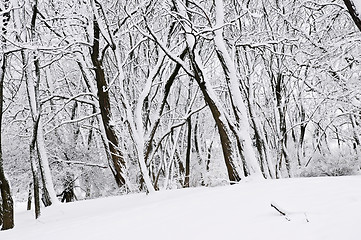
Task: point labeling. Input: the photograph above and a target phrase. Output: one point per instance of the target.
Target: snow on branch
(72, 121)
(75, 98)
(69, 99)
(58, 160)
(45, 49)
(168, 52)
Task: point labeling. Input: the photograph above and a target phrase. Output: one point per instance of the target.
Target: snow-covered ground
(318, 208)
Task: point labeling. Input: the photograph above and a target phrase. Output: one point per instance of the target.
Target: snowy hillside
(317, 208)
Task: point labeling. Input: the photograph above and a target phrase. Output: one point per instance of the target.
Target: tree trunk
(49, 195)
(197, 150)
(30, 197)
(7, 201)
(259, 135)
(1, 211)
(105, 110)
(169, 168)
(281, 108)
(188, 152)
(218, 116)
(34, 170)
(166, 91)
(300, 146)
(229, 69)
(48, 191)
(356, 137)
(89, 84)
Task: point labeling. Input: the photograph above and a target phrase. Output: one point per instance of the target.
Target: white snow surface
(316, 208)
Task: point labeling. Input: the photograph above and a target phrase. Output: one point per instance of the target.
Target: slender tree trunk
(281, 109)
(30, 196)
(300, 146)
(169, 167)
(259, 135)
(32, 96)
(166, 91)
(34, 170)
(262, 147)
(49, 195)
(1, 211)
(48, 191)
(7, 201)
(188, 152)
(197, 150)
(355, 133)
(209, 155)
(189, 140)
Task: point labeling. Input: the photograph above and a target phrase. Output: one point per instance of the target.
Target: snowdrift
(315, 208)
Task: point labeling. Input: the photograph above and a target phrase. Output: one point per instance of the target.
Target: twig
(282, 212)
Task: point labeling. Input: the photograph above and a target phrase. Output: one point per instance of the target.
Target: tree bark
(105, 110)
(188, 152)
(1, 211)
(218, 116)
(283, 136)
(30, 197)
(34, 170)
(7, 201)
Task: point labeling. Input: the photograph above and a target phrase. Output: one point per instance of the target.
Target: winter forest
(104, 98)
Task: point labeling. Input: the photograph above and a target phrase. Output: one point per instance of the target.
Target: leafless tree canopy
(105, 97)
